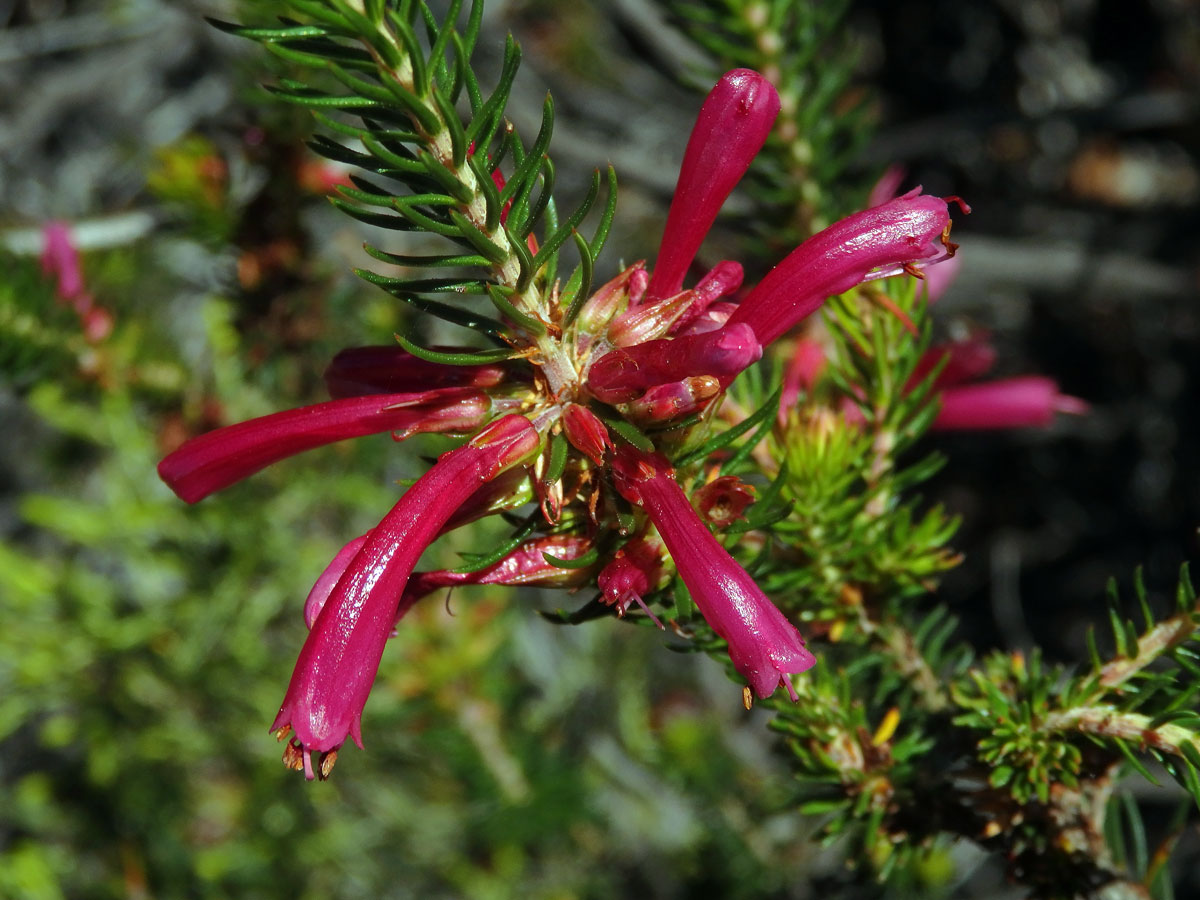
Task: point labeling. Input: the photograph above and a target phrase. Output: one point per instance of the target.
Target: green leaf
(579, 562)
(458, 359)
(764, 413)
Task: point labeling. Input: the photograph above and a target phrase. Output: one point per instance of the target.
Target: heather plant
(725, 466)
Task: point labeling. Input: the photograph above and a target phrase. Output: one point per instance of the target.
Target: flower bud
(609, 301)
(672, 401)
(586, 432)
(651, 320)
(626, 372)
(733, 123)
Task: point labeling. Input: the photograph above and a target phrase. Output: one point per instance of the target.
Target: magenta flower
(356, 371)
(732, 126)
(960, 361)
(338, 662)
(1025, 401)
(220, 458)
(875, 243)
(641, 351)
(1029, 401)
(764, 646)
(60, 261)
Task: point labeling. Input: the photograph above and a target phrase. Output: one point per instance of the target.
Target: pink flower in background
(1031, 401)
(60, 261)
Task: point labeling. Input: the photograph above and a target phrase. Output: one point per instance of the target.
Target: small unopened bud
(672, 401)
(586, 432)
(611, 299)
(628, 371)
(458, 415)
(652, 320)
(508, 441)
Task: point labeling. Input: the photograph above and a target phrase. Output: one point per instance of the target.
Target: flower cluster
(584, 422)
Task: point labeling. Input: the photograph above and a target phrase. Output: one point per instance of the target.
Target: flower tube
(764, 646)
(337, 665)
(876, 242)
(1028, 401)
(732, 126)
(219, 458)
(356, 371)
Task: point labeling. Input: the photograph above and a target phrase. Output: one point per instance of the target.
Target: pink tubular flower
(60, 259)
(220, 458)
(626, 372)
(764, 646)
(732, 126)
(964, 360)
(1030, 401)
(338, 663)
(870, 244)
(356, 371)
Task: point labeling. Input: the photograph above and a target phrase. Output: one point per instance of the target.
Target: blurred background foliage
(146, 645)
